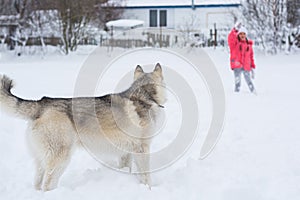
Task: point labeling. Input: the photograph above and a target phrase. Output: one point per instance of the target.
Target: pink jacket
(241, 52)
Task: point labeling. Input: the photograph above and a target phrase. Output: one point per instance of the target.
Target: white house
(176, 14)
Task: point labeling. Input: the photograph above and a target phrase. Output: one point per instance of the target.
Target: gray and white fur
(115, 124)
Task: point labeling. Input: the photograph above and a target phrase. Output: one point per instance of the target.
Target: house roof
(177, 3)
(125, 23)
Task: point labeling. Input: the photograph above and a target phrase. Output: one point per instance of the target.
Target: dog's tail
(14, 105)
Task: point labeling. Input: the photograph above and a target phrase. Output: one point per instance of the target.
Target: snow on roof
(143, 3)
(9, 19)
(125, 23)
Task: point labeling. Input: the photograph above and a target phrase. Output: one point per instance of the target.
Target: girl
(241, 56)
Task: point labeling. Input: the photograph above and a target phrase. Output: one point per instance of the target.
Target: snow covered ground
(257, 156)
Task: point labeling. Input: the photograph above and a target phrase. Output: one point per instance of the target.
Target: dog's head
(152, 83)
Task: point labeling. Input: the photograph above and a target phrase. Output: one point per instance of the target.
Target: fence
(162, 37)
(140, 37)
(39, 41)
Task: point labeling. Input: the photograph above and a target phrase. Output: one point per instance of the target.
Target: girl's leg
(248, 80)
(237, 79)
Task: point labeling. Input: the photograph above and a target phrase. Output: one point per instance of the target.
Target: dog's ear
(158, 69)
(138, 72)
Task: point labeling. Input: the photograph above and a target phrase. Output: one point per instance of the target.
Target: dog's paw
(146, 180)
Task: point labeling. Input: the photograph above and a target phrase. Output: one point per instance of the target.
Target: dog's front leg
(39, 174)
(142, 160)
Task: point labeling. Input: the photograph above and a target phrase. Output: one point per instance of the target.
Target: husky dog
(117, 124)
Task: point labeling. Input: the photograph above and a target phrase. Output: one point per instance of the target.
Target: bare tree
(7, 7)
(73, 16)
(108, 11)
(188, 28)
(17, 11)
(293, 7)
(20, 8)
(76, 15)
(267, 19)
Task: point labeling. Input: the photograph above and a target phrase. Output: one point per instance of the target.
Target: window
(155, 16)
(162, 18)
